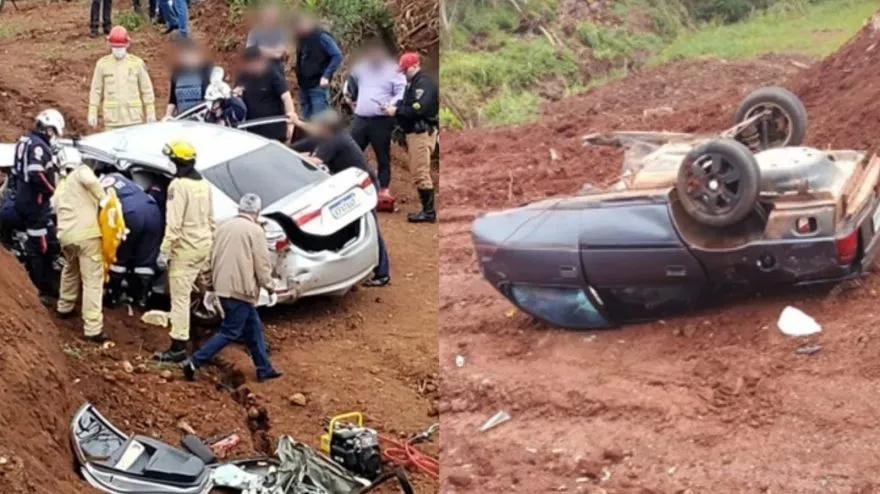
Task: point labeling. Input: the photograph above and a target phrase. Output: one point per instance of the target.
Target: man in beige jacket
(121, 87)
(240, 268)
(77, 200)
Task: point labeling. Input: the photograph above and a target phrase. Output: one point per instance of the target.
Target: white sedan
(320, 229)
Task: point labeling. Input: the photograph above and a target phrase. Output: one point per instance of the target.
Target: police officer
(121, 86)
(34, 174)
(138, 252)
(78, 200)
(186, 248)
(417, 113)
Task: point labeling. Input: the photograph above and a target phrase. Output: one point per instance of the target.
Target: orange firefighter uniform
(121, 87)
(77, 200)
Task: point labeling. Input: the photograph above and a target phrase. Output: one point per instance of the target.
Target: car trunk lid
(327, 207)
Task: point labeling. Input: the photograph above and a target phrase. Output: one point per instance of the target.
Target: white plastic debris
(459, 361)
(795, 322)
(495, 420)
(234, 477)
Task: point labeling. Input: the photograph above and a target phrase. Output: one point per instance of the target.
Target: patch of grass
(226, 43)
(615, 42)
(129, 20)
(516, 65)
(71, 351)
(8, 30)
(511, 108)
(448, 120)
(792, 28)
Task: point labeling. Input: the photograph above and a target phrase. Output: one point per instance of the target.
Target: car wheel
(200, 314)
(783, 121)
(719, 182)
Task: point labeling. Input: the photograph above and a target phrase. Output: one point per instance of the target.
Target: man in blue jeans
(239, 268)
(176, 15)
(317, 58)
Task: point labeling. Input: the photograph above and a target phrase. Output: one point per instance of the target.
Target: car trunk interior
(316, 243)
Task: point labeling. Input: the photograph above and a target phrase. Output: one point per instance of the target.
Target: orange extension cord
(408, 456)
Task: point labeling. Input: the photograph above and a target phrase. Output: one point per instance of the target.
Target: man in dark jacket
(333, 147)
(317, 58)
(417, 113)
(189, 79)
(265, 94)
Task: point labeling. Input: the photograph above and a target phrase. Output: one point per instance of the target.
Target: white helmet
(53, 119)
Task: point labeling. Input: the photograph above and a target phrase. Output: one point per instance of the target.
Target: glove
(93, 120)
(162, 261)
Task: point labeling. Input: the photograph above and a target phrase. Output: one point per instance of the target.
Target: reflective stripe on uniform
(35, 168)
(149, 271)
(38, 232)
(115, 268)
(73, 236)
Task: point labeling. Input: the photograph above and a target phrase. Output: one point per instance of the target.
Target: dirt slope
(36, 392)
(373, 350)
(843, 93)
(715, 401)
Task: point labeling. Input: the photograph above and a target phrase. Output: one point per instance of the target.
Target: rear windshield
(271, 171)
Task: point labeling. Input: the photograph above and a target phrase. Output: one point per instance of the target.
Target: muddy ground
(374, 350)
(713, 401)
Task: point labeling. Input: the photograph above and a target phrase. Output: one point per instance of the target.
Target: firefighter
(121, 86)
(78, 200)
(417, 113)
(186, 248)
(34, 165)
(138, 252)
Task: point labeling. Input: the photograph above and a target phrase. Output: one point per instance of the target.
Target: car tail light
(366, 183)
(847, 247)
(282, 244)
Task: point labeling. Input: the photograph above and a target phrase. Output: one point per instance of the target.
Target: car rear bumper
(305, 274)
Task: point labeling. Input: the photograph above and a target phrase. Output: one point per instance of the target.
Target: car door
(633, 257)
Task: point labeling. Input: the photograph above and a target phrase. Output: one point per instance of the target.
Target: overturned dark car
(691, 217)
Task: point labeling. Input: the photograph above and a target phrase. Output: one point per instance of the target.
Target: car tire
(786, 126)
(719, 182)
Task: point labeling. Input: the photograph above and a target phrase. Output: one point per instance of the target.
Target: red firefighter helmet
(118, 37)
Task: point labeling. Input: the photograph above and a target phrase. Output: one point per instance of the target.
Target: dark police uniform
(139, 251)
(34, 167)
(418, 116)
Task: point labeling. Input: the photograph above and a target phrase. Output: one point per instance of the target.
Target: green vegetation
(814, 30)
(497, 58)
(615, 42)
(7, 30)
(351, 22)
(129, 20)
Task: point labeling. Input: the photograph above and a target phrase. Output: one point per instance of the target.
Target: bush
(353, 22)
(129, 20)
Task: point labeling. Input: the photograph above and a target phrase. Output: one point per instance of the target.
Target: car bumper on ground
(307, 274)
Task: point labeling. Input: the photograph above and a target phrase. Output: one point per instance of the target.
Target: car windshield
(270, 171)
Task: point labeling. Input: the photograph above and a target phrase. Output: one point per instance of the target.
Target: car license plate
(344, 206)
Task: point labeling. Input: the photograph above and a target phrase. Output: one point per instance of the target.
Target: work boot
(98, 338)
(175, 353)
(272, 374)
(428, 214)
(114, 290)
(144, 290)
(189, 369)
(64, 315)
(93, 33)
